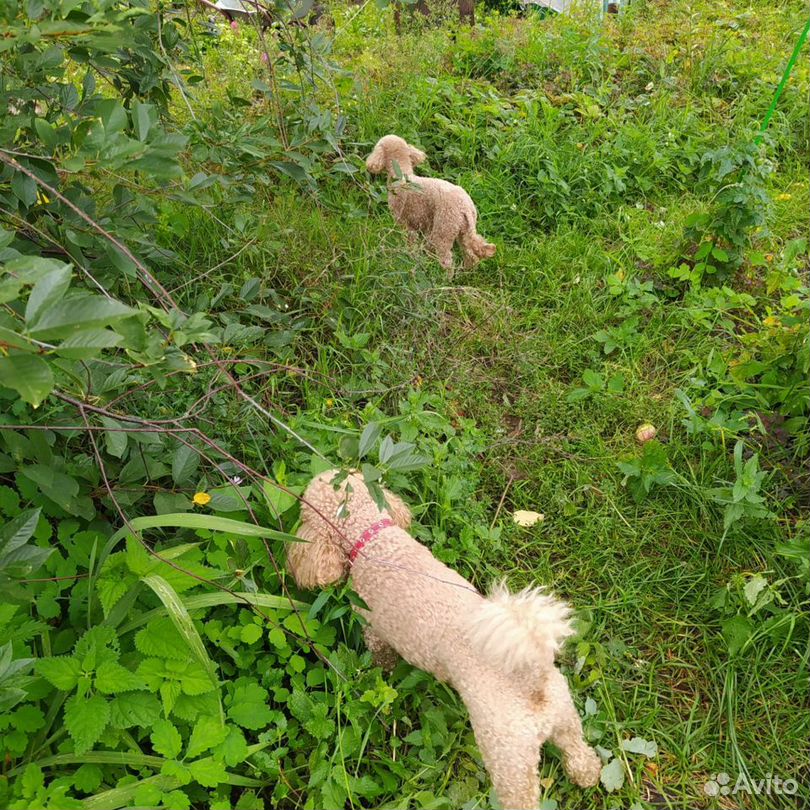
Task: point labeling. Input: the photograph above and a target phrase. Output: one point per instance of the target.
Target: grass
(579, 140)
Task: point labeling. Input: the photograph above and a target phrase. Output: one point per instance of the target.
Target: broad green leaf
(166, 739)
(209, 772)
(88, 778)
(18, 531)
(184, 464)
(737, 631)
(578, 394)
(233, 749)
(28, 374)
(78, 313)
(47, 292)
(58, 486)
(249, 707)
(182, 621)
(195, 679)
(251, 633)
(368, 438)
(754, 587)
(638, 745)
(612, 775)
(114, 437)
(207, 733)
(85, 720)
(277, 498)
(134, 709)
(28, 718)
(87, 344)
(593, 379)
(290, 169)
(14, 340)
(112, 678)
(160, 638)
(24, 188)
(63, 672)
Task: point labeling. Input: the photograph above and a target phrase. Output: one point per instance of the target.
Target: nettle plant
(108, 688)
(735, 178)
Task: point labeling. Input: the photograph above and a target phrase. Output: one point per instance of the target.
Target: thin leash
(783, 83)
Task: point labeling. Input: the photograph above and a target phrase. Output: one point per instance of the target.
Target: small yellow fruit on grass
(646, 432)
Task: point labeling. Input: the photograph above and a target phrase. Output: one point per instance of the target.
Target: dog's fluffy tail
(520, 632)
(473, 242)
(476, 244)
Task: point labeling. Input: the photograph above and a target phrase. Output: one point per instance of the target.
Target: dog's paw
(584, 768)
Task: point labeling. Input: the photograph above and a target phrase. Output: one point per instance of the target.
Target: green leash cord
(785, 76)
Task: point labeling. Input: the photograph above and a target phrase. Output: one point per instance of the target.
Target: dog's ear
(375, 162)
(319, 559)
(400, 513)
(417, 156)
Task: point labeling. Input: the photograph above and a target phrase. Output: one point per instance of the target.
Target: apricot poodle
(444, 213)
(498, 652)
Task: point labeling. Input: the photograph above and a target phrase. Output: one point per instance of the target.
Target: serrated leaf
(134, 709)
(28, 718)
(250, 633)
(111, 678)
(27, 374)
(233, 748)
(85, 720)
(161, 638)
(593, 379)
(612, 775)
(87, 777)
(110, 591)
(207, 733)
(319, 724)
(736, 631)
(166, 739)
(209, 772)
(578, 394)
(755, 585)
(249, 707)
(196, 680)
(182, 621)
(63, 672)
(638, 745)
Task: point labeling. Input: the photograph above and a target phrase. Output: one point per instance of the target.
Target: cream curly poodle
(443, 212)
(497, 652)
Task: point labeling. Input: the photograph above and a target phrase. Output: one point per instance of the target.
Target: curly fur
(497, 652)
(443, 212)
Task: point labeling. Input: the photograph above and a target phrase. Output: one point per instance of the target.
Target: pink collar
(368, 535)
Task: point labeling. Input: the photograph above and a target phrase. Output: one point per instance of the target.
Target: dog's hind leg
(442, 238)
(581, 762)
(509, 739)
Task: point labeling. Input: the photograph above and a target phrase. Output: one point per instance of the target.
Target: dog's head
(393, 149)
(335, 510)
